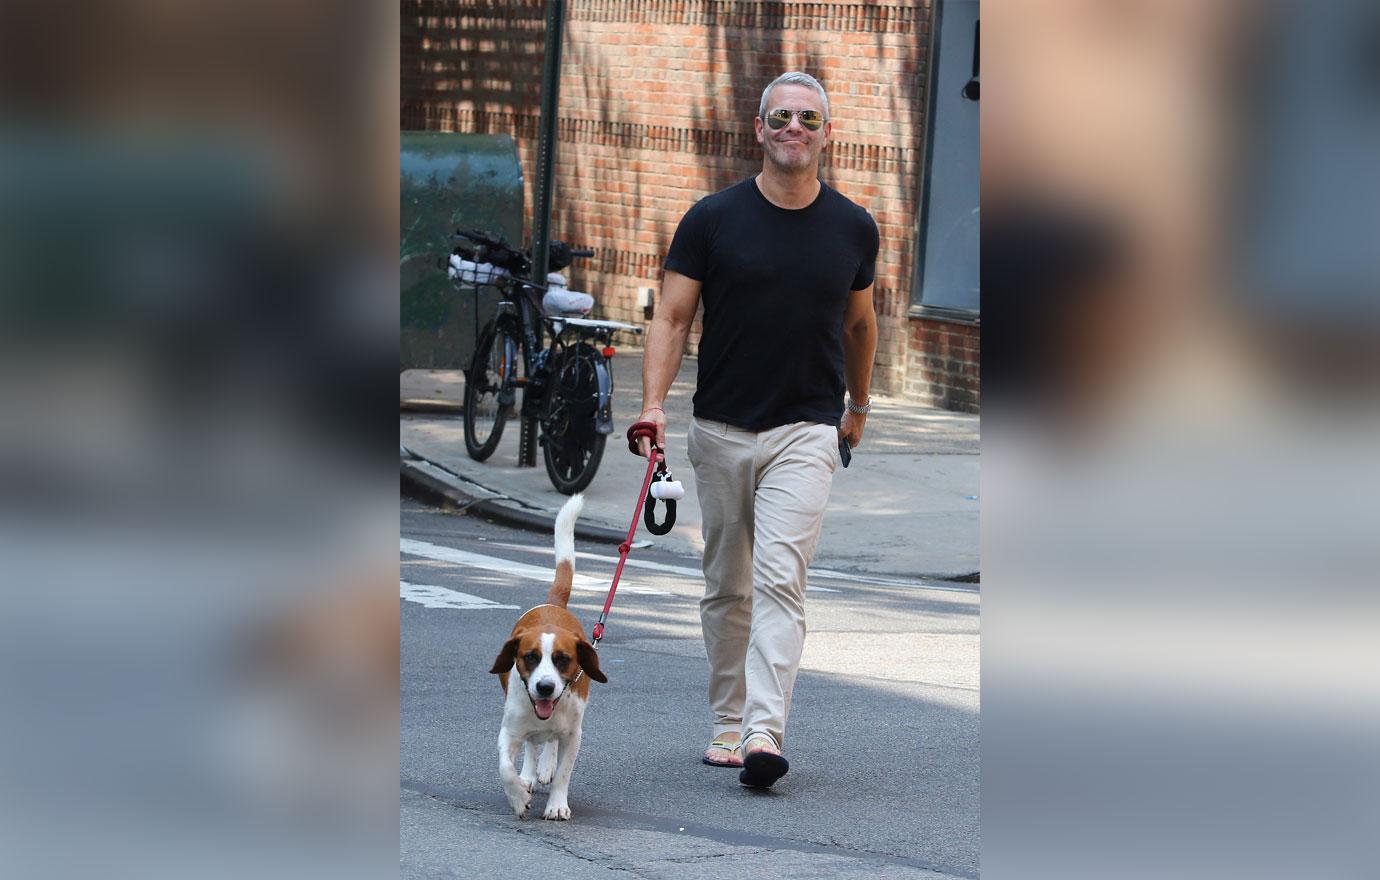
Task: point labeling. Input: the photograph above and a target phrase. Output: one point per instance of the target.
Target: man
(784, 266)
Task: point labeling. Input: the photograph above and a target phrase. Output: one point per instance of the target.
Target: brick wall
(943, 365)
(657, 99)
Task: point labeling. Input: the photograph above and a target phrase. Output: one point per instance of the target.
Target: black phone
(845, 451)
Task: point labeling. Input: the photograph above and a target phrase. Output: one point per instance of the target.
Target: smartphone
(845, 451)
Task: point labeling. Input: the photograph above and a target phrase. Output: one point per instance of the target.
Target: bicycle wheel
(489, 391)
(571, 446)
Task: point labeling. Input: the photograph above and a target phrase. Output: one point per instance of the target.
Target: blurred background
(198, 316)
(198, 326)
(1180, 265)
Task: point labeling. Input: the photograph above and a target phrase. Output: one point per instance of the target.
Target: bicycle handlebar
(493, 249)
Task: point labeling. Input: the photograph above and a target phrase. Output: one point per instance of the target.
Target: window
(946, 266)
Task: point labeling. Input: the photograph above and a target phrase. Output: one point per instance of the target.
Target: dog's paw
(557, 812)
(520, 805)
(546, 765)
(519, 798)
(531, 780)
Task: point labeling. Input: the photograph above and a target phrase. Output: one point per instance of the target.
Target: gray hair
(794, 77)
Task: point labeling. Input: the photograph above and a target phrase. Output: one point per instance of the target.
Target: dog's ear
(504, 663)
(589, 661)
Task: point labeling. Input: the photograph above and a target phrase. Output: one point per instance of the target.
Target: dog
(548, 654)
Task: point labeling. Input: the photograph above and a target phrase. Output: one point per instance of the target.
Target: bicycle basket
(470, 272)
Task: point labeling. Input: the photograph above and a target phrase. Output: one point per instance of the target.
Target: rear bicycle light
(609, 351)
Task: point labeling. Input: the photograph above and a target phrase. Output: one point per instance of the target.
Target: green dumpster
(450, 181)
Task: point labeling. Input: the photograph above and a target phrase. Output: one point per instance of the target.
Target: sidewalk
(906, 506)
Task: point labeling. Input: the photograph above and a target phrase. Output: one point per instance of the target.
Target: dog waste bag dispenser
(450, 181)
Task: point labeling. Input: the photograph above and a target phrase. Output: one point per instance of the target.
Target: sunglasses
(781, 117)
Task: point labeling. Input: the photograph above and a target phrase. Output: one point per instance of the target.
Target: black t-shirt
(775, 284)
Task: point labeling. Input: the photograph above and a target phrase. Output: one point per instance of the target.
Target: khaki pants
(762, 496)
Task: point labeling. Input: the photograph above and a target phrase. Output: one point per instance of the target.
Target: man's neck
(786, 190)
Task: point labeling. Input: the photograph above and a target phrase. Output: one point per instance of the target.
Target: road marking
(507, 566)
(441, 597)
(683, 570)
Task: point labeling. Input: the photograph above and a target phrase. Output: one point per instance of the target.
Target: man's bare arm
(665, 348)
(859, 351)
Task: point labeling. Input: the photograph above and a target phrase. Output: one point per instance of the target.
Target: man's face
(793, 147)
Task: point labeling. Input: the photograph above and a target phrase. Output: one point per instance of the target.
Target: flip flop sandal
(762, 768)
(719, 743)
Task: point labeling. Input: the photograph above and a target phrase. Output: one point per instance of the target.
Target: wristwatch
(860, 410)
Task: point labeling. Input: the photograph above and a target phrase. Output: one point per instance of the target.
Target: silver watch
(860, 410)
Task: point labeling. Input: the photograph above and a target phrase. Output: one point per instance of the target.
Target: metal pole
(546, 167)
(546, 146)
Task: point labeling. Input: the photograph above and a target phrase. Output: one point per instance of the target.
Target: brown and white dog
(548, 653)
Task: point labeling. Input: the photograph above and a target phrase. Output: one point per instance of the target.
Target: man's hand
(657, 416)
(851, 427)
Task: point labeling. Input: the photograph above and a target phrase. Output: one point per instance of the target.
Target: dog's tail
(565, 551)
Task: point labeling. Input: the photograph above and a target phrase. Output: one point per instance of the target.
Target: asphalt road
(883, 736)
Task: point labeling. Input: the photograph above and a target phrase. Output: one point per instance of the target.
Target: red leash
(656, 465)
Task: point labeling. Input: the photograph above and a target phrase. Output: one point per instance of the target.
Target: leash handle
(637, 432)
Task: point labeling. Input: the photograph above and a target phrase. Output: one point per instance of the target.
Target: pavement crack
(601, 860)
(737, 853)
(524, 827)
(596, 817)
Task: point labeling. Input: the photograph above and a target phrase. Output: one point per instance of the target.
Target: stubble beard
(784, 160)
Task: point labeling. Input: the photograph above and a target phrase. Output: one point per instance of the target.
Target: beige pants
(762, 497)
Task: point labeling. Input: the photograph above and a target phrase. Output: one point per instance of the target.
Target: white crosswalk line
(584, 583)
(441, 597)
(683, 570)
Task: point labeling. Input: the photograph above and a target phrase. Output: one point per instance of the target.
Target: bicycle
(567, 387)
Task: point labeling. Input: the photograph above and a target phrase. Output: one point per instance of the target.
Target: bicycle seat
(568, 303)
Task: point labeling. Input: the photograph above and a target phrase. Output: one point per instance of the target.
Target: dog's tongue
(545, 708)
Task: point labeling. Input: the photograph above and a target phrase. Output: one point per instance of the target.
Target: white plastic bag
(667, 490)
(468, 272)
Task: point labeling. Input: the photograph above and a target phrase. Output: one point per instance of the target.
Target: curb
(438, 487)
(419, 405)
(434, 488)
